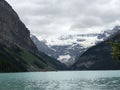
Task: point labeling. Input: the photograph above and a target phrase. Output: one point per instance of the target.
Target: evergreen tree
(115, 50)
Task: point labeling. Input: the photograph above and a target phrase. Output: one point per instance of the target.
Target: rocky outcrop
(12, 30)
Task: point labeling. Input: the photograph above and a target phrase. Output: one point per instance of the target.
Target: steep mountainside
(17, 50)
(99, 57)
(12, 30)
(65, 53)
(41, 45)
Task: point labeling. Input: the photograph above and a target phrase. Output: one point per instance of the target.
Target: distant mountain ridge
(73, 45)
(99, 57)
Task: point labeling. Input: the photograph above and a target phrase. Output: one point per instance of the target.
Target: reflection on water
(84, 80)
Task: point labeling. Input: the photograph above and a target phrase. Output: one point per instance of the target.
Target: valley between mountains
(21, 51)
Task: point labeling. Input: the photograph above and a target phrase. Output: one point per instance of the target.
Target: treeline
(115, 50)
(9, 63)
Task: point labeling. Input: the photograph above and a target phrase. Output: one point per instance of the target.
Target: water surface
(69, 80)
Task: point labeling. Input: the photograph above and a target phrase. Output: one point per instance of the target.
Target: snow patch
(64, 58)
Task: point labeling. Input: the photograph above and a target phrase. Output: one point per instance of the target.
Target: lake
(66, 80)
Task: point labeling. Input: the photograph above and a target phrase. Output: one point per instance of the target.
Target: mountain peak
(99, 57)
(66, 48)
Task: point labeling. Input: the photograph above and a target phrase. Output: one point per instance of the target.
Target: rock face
(99, 57)
(12, 30)
(42, 46)
(18, 53)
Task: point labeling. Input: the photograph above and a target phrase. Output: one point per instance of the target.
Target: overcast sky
(52, 17)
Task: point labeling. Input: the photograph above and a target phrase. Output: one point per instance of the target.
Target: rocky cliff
(18, 53)
(12, 30)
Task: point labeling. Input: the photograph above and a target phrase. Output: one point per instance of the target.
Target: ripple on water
(25, 82)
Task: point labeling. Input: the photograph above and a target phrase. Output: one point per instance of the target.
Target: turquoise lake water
(68, 80)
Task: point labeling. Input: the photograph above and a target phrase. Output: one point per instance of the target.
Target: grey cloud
(55, 16)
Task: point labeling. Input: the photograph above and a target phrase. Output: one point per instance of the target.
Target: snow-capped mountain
(67, 48)
(41, 45)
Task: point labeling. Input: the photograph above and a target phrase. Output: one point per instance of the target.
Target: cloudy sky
(54, 17)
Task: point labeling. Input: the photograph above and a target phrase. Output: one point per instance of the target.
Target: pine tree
(115, 50)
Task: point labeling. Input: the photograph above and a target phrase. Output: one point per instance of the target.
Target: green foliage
(8, 62)
(115, 50)
(32, 59)
(16, 59)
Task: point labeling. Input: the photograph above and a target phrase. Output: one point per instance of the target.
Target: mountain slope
(41, 45)
(12, 30)
(16, 59)
(17, 50)
(99, 57)
(67, 48)
(66, 53)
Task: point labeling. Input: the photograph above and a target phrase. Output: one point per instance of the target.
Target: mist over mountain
(68, 48)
